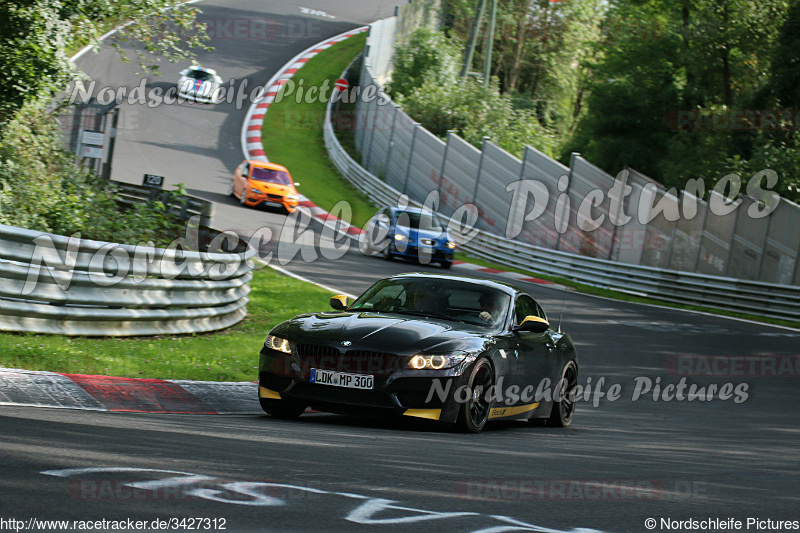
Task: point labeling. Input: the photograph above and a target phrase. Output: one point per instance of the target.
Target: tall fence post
(572, 157)
(764, 250)
(410, 156)
(391, 140)
(730, 243)
(480, 167)
(444, 162)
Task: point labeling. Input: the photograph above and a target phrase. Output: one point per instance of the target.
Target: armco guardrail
(777, 301)
(56, 284)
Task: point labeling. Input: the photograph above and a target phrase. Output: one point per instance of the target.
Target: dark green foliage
(43, 188)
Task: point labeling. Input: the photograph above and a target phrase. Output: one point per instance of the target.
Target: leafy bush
(428, 56)
(426, 82)
(473, 112)
(43, 188)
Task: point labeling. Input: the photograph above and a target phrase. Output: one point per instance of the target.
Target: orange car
(259, 183)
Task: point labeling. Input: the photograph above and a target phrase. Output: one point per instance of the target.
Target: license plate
(341, 379)
(273, 204)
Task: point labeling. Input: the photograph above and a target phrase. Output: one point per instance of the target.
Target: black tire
(446, 264)
(474, 413)
(285, 409)
(564, 410)
(243, 199)
(230, 190)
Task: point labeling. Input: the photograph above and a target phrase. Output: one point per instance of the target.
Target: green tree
(705, 59)
(37, 33)
(428, 55)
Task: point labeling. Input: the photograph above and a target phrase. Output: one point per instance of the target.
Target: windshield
(271, 176)
(423, 221)
(455, 300)
(200, 75)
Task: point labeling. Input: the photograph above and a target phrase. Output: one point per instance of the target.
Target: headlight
(435, 362)
(401, 238)
(276, 343)
(451, 245)
(255, 191)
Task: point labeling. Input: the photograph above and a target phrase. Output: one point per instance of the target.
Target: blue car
(412, 233)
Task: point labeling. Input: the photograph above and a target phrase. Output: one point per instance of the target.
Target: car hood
(266, 186)
(387, 333)
(415, 234)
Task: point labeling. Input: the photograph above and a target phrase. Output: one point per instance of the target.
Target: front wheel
(285, 409)
(474, 413)
(564, 403)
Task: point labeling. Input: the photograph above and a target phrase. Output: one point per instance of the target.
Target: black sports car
(454, 349)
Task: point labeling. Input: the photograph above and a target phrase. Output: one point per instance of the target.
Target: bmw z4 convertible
(454, 349)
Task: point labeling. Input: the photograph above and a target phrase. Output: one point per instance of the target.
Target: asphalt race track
(620, 463)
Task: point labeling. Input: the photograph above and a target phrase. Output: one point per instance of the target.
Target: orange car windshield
(271, 176)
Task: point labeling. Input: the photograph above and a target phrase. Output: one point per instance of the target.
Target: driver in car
(490, 308)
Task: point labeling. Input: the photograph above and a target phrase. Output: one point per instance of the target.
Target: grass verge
(228, 355)
(292, 133)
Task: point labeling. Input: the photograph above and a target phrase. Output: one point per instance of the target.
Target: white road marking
(364, 514)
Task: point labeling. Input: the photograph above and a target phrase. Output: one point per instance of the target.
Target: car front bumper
(420, 253)
(266, 200)
(396, 389)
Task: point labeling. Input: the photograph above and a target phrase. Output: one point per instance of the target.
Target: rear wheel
(564, 402)
(286, 409)
(230, 189)
(474, 413)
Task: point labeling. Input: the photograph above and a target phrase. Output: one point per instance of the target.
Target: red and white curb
(104, 393)
(251, 130)
(512, 275)
(252, 146)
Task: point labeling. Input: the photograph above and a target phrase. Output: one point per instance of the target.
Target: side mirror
(339, 302)
(184, 72)
(533, 324)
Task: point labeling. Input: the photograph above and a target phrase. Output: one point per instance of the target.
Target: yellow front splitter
(502, 412)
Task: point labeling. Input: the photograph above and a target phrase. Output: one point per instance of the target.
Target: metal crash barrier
(70, 286)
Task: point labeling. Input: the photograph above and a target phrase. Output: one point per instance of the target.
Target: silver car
(200, 84)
